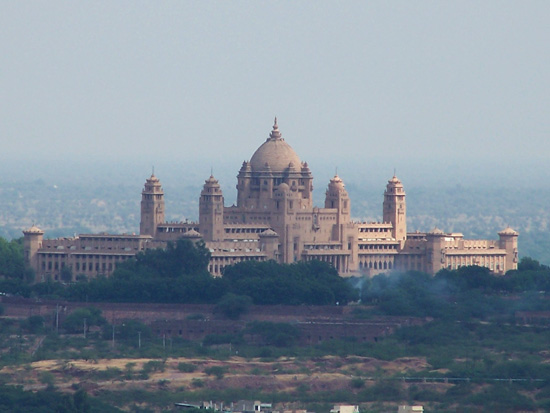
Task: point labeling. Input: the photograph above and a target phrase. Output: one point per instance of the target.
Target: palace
(275, 219)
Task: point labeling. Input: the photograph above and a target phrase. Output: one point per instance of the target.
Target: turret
(306, 183)
(395, 210)
(152, 206)
(337, 198)
(244, 179)
(32, 242)
(435, 251)
(269, 243)
(192, 236)
(286, 204)
(508, 240)
(211, 211)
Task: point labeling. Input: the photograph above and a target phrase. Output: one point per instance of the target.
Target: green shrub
(357, 383)
(233, 306)
(266, 353)
(163, 383)
(47, 378)
(186, 367)
(154, 365)
(216, 371)
(34, 324)
(110, 373)
(197, 383)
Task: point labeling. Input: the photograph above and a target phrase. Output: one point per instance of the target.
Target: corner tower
(508, 240)
(211, 211)
(395, 209)
(152, 206)
(32, 242)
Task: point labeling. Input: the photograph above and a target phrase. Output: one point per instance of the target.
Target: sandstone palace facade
(275, 219)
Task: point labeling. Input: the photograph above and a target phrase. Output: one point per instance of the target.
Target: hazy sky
(350, 81)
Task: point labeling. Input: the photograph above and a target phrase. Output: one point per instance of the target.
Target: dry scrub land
(282, 375)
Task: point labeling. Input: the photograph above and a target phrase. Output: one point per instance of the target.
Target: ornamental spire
(275, 134)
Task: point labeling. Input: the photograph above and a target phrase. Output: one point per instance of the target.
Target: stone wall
(196, 321)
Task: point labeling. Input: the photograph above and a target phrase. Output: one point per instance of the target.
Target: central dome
(276, 153)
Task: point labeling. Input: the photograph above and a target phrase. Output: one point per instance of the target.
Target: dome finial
(275, 134)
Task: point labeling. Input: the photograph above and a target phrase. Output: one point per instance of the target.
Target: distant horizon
(376, 171)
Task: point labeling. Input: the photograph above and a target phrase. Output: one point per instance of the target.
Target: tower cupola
(211, 210)
(152, 206)
(336, 197)
(395, 210)
(508, 240)
(336, 194)
(32, 242)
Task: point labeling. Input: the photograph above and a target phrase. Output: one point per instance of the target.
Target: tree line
(461, 294)
(179, 274)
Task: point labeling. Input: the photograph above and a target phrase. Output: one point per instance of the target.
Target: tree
(233, 306)
(66, 274)
(175, 274)
(128, 330)
(34, 324)
(12, 264)
(180, 257)
(74, 323)
(529, 264)
(313, 283)
(15, 286)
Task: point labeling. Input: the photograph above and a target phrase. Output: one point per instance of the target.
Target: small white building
(410, 409)
(345, 408)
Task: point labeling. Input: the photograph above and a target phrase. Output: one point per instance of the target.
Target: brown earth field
(284, 374)
(287, 374)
